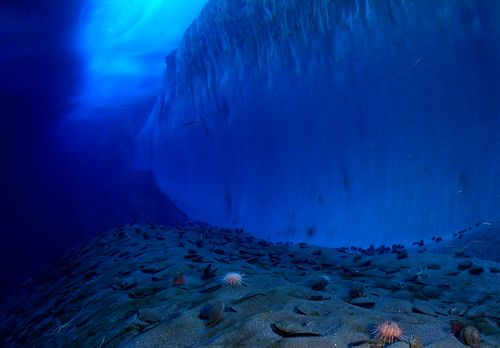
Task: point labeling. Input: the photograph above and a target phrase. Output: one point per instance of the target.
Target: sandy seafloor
(143, 285)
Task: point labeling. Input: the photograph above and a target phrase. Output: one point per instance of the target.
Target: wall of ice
(336, 122)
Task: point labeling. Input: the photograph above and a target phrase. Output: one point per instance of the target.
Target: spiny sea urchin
(388, 332)
(233, 279)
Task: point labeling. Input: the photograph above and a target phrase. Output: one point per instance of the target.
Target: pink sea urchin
(233, 279)
(388, 332)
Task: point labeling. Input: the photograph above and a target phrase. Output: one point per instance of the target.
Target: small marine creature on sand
(468, 335)
(179, 279)
(388, 332)
(414, 342)
(233, 279)
(385, 334)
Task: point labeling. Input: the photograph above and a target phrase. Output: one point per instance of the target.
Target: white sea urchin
(233, 279)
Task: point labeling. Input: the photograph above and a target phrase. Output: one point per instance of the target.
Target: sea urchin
(388, 332)
(233, 279)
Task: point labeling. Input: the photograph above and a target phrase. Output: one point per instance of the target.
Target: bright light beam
(123, 44)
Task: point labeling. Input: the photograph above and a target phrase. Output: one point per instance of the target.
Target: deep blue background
(62, 180)
(38, 77)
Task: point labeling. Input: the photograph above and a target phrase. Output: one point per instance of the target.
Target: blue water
(367, 123)
(70, 125)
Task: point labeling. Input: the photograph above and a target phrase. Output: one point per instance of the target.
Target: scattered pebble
(137, 285)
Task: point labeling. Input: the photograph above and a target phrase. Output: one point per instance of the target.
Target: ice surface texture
(339, 121)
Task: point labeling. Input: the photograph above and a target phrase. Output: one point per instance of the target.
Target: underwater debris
(320, 283)
(149, 315)
(402, 255)
(292, 329)
(356, 291)
(419, 243)
(470, 336)
(374, 343)
(414, 342)
(367, 302)
(208, 272)
(463, 265)
(212, 313)
(179, 279)
(467, 334)
(210, 288)
(437, 239)
(476, 270)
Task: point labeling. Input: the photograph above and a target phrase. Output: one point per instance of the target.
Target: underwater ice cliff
(329, 122)
(338, 121)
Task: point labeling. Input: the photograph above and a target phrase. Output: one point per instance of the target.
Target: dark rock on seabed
(122, 289)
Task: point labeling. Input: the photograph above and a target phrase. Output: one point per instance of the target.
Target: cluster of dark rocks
(147, 285)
